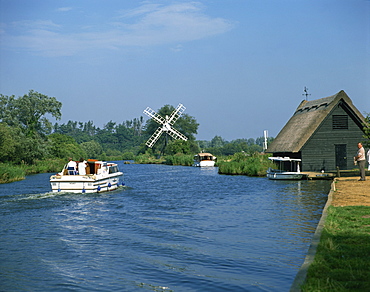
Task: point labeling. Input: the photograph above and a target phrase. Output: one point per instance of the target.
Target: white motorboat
(289, 169)
(204, 159)
(100, 176)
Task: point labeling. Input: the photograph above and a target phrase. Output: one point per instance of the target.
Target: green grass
(342, 260)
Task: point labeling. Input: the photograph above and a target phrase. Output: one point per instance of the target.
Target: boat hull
(204, 163)
(286, 175)
(85, 183)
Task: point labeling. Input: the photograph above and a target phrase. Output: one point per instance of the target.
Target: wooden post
(338, 171)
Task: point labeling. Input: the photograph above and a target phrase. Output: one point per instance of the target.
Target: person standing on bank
(361, 161)
(368, 159)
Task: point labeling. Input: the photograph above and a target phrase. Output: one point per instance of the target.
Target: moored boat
(289, 169)
(204, 159)
(99, 176)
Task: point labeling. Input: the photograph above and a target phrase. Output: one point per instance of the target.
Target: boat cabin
(286, 164)
(204, 159)
(94, 166)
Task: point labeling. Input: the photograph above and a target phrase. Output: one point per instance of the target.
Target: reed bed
(10, 173)
(148, 159)
(14, 172)
(179, 159)
(255, 165)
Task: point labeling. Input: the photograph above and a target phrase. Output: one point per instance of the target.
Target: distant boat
(204, 159)
(100, 176)
(289, 169)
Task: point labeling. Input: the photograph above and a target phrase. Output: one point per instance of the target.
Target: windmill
(166, 124)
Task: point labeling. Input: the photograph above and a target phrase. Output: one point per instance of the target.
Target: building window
(340, 122)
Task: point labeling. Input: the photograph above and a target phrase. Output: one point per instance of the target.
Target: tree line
(27, 135)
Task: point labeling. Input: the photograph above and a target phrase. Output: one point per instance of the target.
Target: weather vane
(306, 92)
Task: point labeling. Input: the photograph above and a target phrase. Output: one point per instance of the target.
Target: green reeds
(148, 159)
(43, 166)
(10, 173)
(255, 165)
(179, 159)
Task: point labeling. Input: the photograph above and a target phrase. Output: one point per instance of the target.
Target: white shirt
(72, 163)
(361, 154)
(82, 168)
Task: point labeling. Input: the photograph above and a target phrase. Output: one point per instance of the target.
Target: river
(171, 228)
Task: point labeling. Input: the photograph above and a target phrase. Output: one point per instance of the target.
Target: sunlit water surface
(172, 228)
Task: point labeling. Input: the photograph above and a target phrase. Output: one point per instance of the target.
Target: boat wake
(40, 196)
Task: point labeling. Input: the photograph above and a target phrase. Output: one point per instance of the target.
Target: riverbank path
(351, 192)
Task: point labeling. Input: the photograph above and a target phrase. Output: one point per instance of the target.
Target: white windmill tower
(166, 124)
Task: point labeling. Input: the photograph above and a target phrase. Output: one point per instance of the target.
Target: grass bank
(239, 164)
(10, 172)
(341, 261)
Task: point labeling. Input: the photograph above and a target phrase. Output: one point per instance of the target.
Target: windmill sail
(176, 134)
(166, 124)
(151, 141)
(176, 114)
(151, 113)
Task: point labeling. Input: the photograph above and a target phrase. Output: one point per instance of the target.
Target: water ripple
(172, 229)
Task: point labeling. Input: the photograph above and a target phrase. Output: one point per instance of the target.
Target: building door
(341, 156)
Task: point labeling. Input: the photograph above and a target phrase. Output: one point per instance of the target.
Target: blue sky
(238, 66)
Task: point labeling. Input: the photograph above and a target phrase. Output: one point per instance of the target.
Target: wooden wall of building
(319, 152)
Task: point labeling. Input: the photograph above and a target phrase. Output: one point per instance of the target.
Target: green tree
(28, 112)
(177, 146)
(92, 148)
(8, 143)
(64, 146)
(218, 142)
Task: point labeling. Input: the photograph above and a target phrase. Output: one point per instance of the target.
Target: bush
(128, 156)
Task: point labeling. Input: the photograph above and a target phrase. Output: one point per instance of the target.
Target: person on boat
(361, 161)
(72, 167)
(82, 167)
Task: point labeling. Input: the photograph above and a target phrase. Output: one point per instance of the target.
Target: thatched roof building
(324, 133)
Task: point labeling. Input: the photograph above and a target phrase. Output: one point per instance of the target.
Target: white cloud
(146, 25)
(64, 9)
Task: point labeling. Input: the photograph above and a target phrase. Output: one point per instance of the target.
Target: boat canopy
(204, 154)
(284, 159)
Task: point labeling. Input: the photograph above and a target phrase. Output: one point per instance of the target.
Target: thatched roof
(307, 118)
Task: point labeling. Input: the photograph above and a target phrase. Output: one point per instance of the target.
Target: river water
(171, 228)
